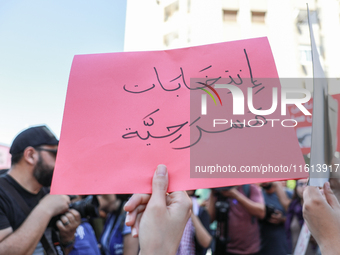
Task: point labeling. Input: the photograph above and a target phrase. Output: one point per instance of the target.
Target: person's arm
(211, 206)
(322, 217)
(281, 194)
(130, 245)
(25, 239)
(159, 220)
(202, 235)
(256, 209)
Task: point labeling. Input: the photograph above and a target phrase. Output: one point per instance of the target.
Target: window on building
(305, 54)
(170, 10)
(302, 17)
(229, 15)
(169, 38)
(258, 17)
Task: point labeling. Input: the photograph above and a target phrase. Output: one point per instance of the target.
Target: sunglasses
(54, 152)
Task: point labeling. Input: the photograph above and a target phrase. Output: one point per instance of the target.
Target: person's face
(108, 203)
(43, 170)
(300, 187)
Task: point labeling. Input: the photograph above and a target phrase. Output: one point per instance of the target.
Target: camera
(270, 209)
(222, 207)
(87, 208)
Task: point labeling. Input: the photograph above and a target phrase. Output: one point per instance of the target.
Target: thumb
(159, 185)
(330, 197)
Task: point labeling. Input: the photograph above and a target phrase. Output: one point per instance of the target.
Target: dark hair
(16, 158)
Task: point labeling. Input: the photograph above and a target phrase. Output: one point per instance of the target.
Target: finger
(169, 199)
(178, 197)
(311, 193)
(70, 217)
(180, 203)
(64, 220)
(274, 217)
(174, 197)
(135, 227)
(135, 201)
(312, 198)
(131, 216)
(330, 197)
(159, 186)
(61, 226)
(75, 214)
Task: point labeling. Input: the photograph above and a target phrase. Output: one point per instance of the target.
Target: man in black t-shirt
(33, 158)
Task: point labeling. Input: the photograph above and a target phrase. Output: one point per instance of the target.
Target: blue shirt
(113, 243)
(273, 236)
(85, 242)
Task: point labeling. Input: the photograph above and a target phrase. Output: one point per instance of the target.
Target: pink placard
(304, 127)
(125, 113)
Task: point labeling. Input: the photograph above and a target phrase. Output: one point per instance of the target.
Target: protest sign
(125, 113)
(324, 123)
(304, 126)
(303, 241)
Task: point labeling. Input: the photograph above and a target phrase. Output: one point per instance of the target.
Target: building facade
(169, 24)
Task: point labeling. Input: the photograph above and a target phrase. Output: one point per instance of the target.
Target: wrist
(236, 195)
(46, 209)
(66, 238)
(68, 243)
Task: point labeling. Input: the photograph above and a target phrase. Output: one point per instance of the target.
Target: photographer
(25, 207)
(116, 237)
(273, 235)
(85, 238)
(246, 205)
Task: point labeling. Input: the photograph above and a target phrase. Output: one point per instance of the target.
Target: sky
(38, 40)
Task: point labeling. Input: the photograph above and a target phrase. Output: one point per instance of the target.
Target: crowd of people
(263, 218)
